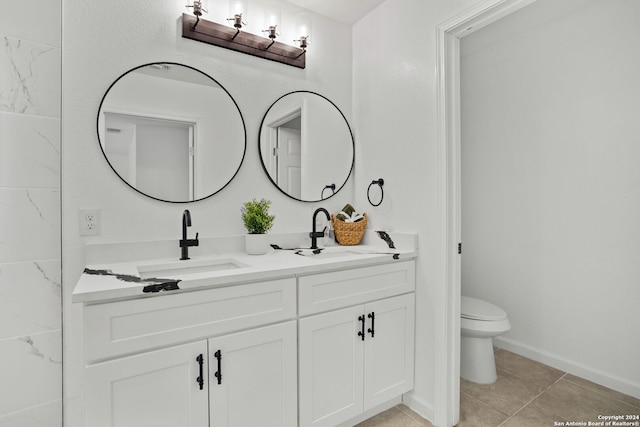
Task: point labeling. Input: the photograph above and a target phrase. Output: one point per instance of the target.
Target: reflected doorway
(286, 152)
(153, 155)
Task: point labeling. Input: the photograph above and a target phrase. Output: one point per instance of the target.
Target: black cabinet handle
(200, 379)
(361, 333)
(372, 329)
(218, 374)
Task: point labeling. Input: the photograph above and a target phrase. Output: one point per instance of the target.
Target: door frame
(448, 271)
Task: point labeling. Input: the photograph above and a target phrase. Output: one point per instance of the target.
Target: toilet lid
(477, 309)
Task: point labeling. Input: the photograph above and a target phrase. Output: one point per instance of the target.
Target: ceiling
(349, 11)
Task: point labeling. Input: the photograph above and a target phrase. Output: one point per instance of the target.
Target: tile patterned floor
(526, 394)
(398, 416)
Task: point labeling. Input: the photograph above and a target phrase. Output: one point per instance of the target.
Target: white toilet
(480, 321)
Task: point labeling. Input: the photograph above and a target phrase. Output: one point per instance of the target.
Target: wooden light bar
(229, 38)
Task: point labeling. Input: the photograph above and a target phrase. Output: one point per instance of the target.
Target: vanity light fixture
(303, 27)
(272, 20)
(198, 9)
(161, 67)
(238, 11)
(231, 37)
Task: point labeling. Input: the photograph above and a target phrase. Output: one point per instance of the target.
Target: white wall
(550, 149)
(104, 39)
(30, 290)
(395, 114)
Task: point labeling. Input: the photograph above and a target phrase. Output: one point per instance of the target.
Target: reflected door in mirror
(322, 158)
(288, 161)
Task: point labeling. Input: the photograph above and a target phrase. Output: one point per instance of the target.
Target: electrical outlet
(90, 222)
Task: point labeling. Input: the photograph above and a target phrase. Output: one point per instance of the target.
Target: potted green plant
(257, 221)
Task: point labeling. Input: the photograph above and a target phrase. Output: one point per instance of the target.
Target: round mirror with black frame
(171, 132)
(306, 146)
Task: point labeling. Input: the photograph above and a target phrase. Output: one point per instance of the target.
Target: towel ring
(380, 183)
(332, 187)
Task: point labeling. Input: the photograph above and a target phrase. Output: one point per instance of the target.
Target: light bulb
(199, 7)
(303, 29)
(271, 19)
(238, 13)
(238, 7)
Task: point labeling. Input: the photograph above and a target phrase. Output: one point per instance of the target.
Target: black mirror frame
(353, 144)
(244, 128)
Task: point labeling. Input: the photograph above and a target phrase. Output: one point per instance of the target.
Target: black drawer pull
(200, 379)
(361, 333)
(372, 329)
(218, 374)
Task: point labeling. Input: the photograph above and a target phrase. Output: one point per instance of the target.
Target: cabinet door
(331, 368)
(157, 388)
(253, 377)
(389, 353)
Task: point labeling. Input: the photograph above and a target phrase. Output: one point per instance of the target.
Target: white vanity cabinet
(153, 388)
(242, 378)
(316, 347)
(355, 358)
(257, 385)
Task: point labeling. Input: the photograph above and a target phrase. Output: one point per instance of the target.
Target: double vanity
(202, 334)
(290, 338)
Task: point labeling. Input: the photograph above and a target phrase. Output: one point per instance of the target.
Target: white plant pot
(256, 244)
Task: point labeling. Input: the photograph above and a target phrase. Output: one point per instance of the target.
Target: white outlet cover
(90, 222)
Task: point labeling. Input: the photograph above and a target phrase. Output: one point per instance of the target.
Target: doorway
(447, 315)
(285, 151)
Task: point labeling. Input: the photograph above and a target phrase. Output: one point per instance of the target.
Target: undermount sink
(181, 268)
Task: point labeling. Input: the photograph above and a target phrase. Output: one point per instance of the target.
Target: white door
(330, 358)
(389, 349)
(158, 388)
(289, 161)
(253, 378)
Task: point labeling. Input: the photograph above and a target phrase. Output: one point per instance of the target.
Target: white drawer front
(329, 291)
(123, 327)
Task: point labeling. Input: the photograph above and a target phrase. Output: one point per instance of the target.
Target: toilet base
(477, 362)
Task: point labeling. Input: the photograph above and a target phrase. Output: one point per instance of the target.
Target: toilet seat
(476, 309)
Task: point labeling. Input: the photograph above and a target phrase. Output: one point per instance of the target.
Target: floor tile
(604, 390)
(526, 394)
(577, 403)
(416, 417)
(509, 393)
(475, 413)
(527, 369)
(393, 417)
(532, 416)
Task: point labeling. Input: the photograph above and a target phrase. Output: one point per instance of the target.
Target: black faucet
(315, 234)
(184, 242)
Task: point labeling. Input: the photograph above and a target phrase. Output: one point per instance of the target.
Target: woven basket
(349, 233)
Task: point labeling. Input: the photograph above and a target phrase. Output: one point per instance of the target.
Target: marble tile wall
(30, 240)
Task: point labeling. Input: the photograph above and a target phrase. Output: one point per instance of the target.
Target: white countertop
(107, 281)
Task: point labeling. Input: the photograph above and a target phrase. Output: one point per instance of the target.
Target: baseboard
(421, 407)
(595, 375)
